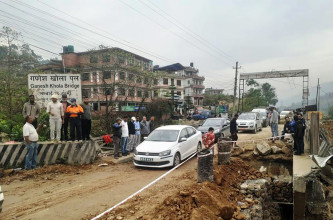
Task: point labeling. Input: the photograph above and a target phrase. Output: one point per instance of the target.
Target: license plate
(146, 159)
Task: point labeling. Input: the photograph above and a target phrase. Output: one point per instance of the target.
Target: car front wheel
(176, 159)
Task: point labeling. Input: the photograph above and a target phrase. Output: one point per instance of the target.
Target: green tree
(16, 61)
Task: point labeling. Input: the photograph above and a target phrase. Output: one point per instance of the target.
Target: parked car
(283, 115)
(263, 116)
(203, 115)
(249, 121)
(221, 127)
(167, 146)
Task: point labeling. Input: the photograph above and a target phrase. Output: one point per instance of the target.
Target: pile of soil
(327, 126)
(47, 171)
(208, 200)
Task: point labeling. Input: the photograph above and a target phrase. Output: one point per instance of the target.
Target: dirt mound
(217, 200)
(47, 172)
(327, 126)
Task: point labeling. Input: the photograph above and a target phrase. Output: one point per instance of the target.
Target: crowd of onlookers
(127, 135)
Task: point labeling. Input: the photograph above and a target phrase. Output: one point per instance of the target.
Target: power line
(188, 31)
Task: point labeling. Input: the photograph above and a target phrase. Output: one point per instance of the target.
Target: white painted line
(145, 187)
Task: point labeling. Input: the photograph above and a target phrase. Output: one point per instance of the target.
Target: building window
(188, 82)
(165, 81)
(122, 91)
(106, 58)
(121, 60)
(146, 94)
(131, 92)
(93, 59)
(106, 74)
(139, 93)
(107, 91)
(131, 77)
(179, 93)
(155, 81)
(85, 77)
(179, 82)
(122, 76)
(146, 80)
(85, 92)
(139, 79)
(97, 76)
(92, 92)
(155, 93)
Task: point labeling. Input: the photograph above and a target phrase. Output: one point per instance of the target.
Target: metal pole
(235, 89)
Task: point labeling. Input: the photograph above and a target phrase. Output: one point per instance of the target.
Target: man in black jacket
(233, 129)
(116, 137)
(299, 134)
(64, 127)
(286, 128)
(131, 132)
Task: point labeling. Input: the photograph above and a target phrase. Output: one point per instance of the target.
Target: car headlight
(216, 131)
(251, 123)
(165, 153)
(135, 152)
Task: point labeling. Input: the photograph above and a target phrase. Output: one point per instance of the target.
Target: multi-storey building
(211, 91)
(191, 82)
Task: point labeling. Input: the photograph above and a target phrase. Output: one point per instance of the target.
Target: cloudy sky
(214, 34)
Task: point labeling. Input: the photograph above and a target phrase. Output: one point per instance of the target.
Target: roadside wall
(13, 155)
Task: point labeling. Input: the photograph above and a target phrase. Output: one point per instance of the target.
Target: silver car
(249, 121)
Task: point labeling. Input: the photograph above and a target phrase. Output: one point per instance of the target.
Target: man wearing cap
(32, 109)
(86, 119)
(56, 111)
(131, 132)
(74, 112)
(64, 127)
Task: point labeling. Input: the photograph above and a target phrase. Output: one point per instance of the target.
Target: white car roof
(172, 127)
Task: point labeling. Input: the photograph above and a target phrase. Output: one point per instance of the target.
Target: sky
(213, 34)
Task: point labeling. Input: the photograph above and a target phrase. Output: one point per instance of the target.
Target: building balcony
(198, 96)
(197, 86)
(197, 77)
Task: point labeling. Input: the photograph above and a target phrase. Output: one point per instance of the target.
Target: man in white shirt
(56, 111)
(30, 139)
(124, 136)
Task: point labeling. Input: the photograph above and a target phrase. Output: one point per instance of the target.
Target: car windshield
(213, 123)
(163, 135)
(247, 116)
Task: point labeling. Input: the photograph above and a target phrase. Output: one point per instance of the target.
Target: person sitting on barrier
(286, 128)
(208, 139)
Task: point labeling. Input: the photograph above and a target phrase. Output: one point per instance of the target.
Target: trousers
(274, 129)
(31, 156)
(55, 126)
(86, 129)
(75, 124)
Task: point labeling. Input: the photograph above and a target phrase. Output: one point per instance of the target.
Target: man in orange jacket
(74, 111)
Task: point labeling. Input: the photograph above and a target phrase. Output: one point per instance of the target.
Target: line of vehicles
(168, 145)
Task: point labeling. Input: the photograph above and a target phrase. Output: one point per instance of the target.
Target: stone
(184, 193)
(263, 148)
(286, 150)
(119, 218)
(276, 150)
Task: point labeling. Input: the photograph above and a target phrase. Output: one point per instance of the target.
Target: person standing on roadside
(286, 128)
(152, 124)
(145, 128)
(274, 121)
(299, 134)
(56, 111)
(86, 119)
(137, 131)
(30, 136)
(32, 109)
(208, 140)
(293, 129)
(64, 127)
(116, 137)
(124, 136)
(74, 112)
(233, 129)
(131, 138)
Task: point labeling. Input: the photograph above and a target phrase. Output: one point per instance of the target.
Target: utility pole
(318, 95)
(235, 88)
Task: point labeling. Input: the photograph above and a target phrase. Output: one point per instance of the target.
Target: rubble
(276, 150)
(263, 148)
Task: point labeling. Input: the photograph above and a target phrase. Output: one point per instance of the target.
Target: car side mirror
(183, 139)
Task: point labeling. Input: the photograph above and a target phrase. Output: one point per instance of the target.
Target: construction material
(224, 151)
(205, 166)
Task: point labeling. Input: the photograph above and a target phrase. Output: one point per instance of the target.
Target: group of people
(61, 114)
(128, 135)
(296, 127)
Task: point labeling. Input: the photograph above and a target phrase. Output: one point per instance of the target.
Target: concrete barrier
(13, 155)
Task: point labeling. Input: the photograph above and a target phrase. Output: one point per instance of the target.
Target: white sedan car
(167, 146)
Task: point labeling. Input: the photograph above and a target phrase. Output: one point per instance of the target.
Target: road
(63, 192)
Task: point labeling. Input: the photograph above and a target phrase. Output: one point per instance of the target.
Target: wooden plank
(314, 133)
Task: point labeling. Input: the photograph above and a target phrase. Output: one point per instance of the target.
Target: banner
(43, 86)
